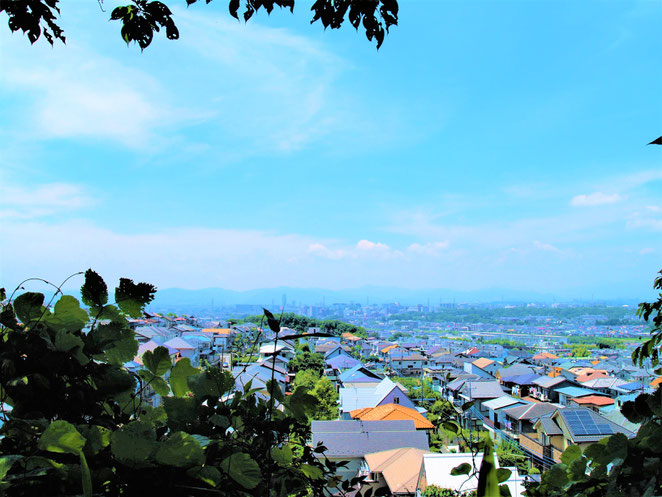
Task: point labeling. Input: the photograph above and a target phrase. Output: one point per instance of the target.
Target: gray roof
(515, 370)
(483, 390)
(357, 438)
(531, 411)
(358, 398)
(598, 421)
(605, 382)
(501, 402)
(550, 427)
(548, 381)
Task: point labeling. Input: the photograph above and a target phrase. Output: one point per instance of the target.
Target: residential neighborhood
(386, 403)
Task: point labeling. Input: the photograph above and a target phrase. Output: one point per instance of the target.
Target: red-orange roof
(596, 400)
(219, 331)
(482, 362)
(591, 376)
(656, 382)
(389, 412)
(545, 355)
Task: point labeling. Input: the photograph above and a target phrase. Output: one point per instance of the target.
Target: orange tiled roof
(482, 362)
(390, 412)
(591, 376)
(386, 349)
(219, 331)
(656, 382)
(545, 355)
(596, 400)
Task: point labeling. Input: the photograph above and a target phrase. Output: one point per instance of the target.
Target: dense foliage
(301, 324)
(617, 466)
(142, 18)
(325, 406)
(74, 420)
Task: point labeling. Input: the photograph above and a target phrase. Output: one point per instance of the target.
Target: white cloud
(367, 245)
(322, 250)
(17, 202)
(547, 247)
(597, 198)
(430, 248)
(647, 250)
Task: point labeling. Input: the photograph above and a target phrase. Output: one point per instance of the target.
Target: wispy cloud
(18, 202)
(594, 199)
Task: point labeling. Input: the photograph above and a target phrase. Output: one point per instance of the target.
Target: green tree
(307, 361)
(141, 19)
(327, 399)
(580, 351)
(77, 424)
(616, 465)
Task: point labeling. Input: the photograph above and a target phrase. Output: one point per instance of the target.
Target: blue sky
(486, 144)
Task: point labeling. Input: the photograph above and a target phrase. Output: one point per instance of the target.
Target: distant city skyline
(485, 146)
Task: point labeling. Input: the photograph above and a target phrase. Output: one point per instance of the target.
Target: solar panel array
(582, 423)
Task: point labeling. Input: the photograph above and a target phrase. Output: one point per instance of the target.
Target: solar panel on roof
(604, 429)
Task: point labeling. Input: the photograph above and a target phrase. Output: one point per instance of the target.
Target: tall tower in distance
(284, 301)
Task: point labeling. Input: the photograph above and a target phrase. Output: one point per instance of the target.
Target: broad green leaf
(116, 340)
(556, 476)
(577, 469)
(94, 291)
(8, 318)
(180, 450)
(210, 475)
(113, 380)
(282, 455)
(503, 474)
(97, 437)
(451, 426)
(131, 298)
(242, 469)
(570, 454)
(6, 463)
(68, 342)
(181, 371)
(312, 472)
(157, 383)
(462, 469)
(68, 314)
(62, 437)
(154, 415)
(134, 444)
(158, 361)
(180, 411)
(29, 306)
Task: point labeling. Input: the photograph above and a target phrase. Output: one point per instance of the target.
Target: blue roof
(521, 379)
(343, 362)
(576, 391)
(635, 385)
(357, 438)
(359, 374)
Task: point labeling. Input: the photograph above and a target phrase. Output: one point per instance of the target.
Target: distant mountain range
(273, 297)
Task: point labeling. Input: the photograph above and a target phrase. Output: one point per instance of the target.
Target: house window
(396, 400)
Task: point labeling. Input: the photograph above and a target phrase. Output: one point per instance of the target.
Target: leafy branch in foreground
(617, 466)
(142, 18)
(74, 421)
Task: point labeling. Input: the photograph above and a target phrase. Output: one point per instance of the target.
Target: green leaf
(29, 306)
(468, 405)
(158, 361)
(6, 463)
(570, 454)
(503, 474)
(451, 426)
(282, 455)
(312, 472)
(180, 450)
(94, 291)
(97, 438)
(115, 340)
(462, 469)
(134, 444)
(556, 476)
(86, 477)
(179, 375)
(242, 469)
(180, 411)
(62, 437)
(210, 475)
(67, 314)
(68, 342)
(113, 380)
(157, 383)
(8, 318)
(131, 298)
